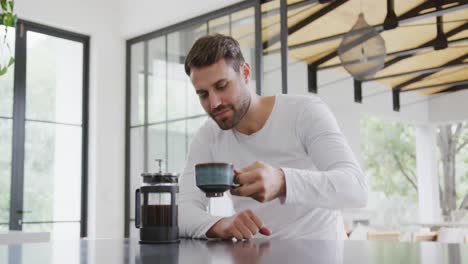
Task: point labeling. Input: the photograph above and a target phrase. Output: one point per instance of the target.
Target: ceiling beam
(306, 21)
(426, 5)
(391, 19)
(441, 40)
(312, 79)
(452, 89)
(421, 71)
(456, 83)
(424, 75)
(398, 89)
(428, 44)
(357, 91)
(276, 11)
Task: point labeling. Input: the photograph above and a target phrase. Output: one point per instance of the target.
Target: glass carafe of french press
(156, 208)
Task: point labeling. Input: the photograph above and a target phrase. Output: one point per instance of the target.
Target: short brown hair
(209, 49)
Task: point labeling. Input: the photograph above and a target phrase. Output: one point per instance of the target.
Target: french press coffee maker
(156, 208)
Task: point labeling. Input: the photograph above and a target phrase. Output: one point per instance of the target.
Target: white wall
(143, 16)
(452, 107)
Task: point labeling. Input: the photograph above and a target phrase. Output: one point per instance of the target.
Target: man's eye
(222, 86)
(203, 95)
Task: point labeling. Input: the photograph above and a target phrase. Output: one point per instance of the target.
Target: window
(164, 111)
(389, 160)
(43, 128)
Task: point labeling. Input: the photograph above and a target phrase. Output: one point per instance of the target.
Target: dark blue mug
(214, 178)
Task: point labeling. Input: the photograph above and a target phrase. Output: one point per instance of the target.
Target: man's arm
(338, 181)
(194, 220)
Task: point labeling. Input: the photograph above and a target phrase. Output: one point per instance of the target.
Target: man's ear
(246, 71)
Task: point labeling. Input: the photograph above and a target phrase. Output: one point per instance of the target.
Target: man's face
(223, 92)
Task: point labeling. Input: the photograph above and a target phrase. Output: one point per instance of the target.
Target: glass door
(49, 141)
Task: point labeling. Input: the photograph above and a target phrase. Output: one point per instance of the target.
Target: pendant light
(362, 50)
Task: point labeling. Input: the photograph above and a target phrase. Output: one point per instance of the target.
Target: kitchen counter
(17, 237)
(256, 251)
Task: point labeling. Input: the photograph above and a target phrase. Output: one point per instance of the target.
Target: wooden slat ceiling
(338, 18)
(406, 36)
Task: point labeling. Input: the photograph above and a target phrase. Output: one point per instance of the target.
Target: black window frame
(19, 112)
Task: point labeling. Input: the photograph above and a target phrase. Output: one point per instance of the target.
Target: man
(293, 165)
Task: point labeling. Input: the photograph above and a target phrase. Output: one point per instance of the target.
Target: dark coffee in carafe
(158, 215)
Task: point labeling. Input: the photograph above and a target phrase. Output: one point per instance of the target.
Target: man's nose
(215, 101)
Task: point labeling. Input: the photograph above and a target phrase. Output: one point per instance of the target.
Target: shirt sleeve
(338, 181)
(194, 220)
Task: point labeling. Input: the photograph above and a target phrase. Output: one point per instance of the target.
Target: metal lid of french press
(160, 177)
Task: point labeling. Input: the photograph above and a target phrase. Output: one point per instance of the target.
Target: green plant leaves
(4, 5)
(12, 60)
(7, 6)
(388, 154)
(7, 18)
(4, 69)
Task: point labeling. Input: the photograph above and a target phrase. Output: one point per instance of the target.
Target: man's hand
(243, 225)
(260, 181)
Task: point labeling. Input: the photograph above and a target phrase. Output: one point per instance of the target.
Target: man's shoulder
(297, 101)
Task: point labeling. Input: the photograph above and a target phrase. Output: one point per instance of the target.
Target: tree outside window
(389, 160)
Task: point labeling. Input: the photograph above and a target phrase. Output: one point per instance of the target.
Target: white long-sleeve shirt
(301, 136)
